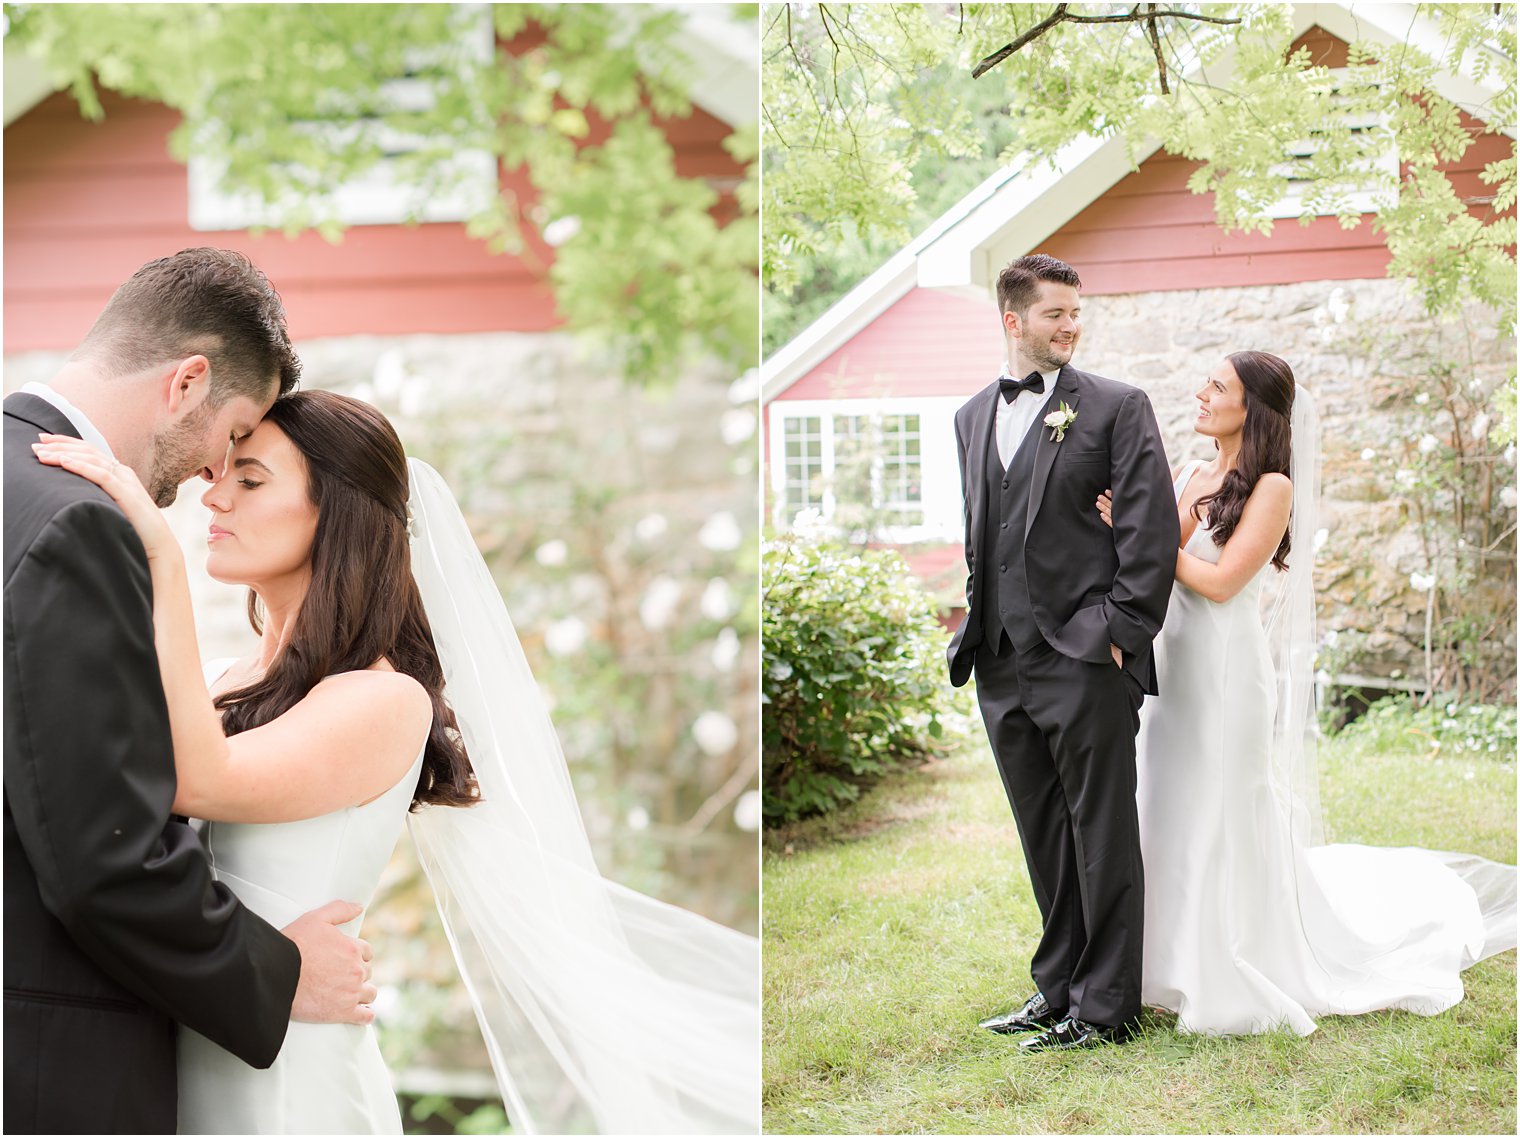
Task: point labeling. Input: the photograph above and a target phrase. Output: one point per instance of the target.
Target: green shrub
(854, 678)
(1446, 729)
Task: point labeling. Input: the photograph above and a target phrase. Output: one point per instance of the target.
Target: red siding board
(1140, 241)
(1232, 271)
(87, 203)
(1157, 209)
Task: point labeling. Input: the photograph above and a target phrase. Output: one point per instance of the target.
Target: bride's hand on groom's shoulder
(118, 480)
(1105, 506)
(335, 971)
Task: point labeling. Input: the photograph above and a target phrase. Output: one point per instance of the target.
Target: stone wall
(1358, 347)
(621, 526)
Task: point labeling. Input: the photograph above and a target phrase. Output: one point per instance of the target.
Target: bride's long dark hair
(1266, 445)
(362, 603)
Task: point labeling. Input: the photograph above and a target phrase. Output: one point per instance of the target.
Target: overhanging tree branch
(1061, 15)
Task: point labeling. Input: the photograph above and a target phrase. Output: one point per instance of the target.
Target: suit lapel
(976, 460)
(1045, 456)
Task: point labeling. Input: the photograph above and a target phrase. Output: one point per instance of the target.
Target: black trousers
(1063, 732)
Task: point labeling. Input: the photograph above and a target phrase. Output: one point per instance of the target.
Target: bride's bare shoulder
(1273, 486)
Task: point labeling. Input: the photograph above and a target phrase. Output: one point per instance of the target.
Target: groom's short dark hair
(1019, 283)
(210, 302)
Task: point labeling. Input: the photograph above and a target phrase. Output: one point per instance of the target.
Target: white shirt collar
(81, 422)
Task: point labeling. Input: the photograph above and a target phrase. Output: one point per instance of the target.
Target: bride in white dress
(1251, 923)
(388, 679)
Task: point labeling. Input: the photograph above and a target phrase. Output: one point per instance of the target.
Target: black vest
(1004, 592)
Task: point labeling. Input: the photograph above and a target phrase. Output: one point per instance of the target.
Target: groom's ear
(189, 385)
(1012, 325)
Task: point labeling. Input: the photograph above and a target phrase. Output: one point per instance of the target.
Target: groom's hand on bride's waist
(335, 972)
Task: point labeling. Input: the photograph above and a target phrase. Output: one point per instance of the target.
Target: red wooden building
(918, 337)
(87, 203)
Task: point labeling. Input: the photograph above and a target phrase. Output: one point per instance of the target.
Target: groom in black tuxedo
(114, 927)
(1061, 615)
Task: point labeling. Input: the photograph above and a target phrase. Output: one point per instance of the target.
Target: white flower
(1368, 454)
(717, 602)
(638, 818)
(1405, 478)
(560, 230)
(736, 425)
(1331, 637)
(1509, 455)
(659, 602)
(1507, 497)
(1422, 398)
(1428, 443)
(725, 650)
(720, 532)
(1421, 582)
(747, 811)
(416, 397)
(1320, 537)
(389, 374)
(715, 733)
(745, 389)
(551, 553)
(1469, 775)
(1480, 425)
(650, 526)
(1059, 420)
(809, 522)
(565, 637)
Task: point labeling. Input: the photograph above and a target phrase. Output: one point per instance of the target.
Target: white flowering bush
(1451, 730)
(1449, 465)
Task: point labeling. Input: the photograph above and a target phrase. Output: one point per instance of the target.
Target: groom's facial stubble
(1046, 336)
(196, 437)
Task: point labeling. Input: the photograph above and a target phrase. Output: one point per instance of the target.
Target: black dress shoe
(1034, 1015)
(1075, 1035)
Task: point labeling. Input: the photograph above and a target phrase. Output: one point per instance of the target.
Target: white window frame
(939, 472)
(378, 196)
(1385, 164)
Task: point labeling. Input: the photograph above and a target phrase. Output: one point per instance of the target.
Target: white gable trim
(26, 83)
(724, 52)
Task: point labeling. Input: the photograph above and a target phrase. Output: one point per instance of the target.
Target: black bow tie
(1010, 388)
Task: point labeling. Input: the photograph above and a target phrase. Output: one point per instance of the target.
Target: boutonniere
(1058, 421)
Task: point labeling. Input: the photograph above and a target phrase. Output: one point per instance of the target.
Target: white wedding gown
(1248, 929)
(327, 1078)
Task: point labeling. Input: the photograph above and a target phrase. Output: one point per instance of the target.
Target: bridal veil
(1292, 643)
(603, 1010)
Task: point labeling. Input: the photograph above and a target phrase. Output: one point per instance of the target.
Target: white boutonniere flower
(1059, 420)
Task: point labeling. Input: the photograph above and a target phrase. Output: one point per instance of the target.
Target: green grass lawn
(893, 926)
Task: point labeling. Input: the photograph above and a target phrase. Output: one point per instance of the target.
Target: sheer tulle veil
(603, 1010)
(1291, 639)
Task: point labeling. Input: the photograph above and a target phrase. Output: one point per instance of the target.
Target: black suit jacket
(114, 928)
(1090, 585)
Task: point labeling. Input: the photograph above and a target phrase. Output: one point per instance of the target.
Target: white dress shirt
(87, 430)
(1014, 419)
